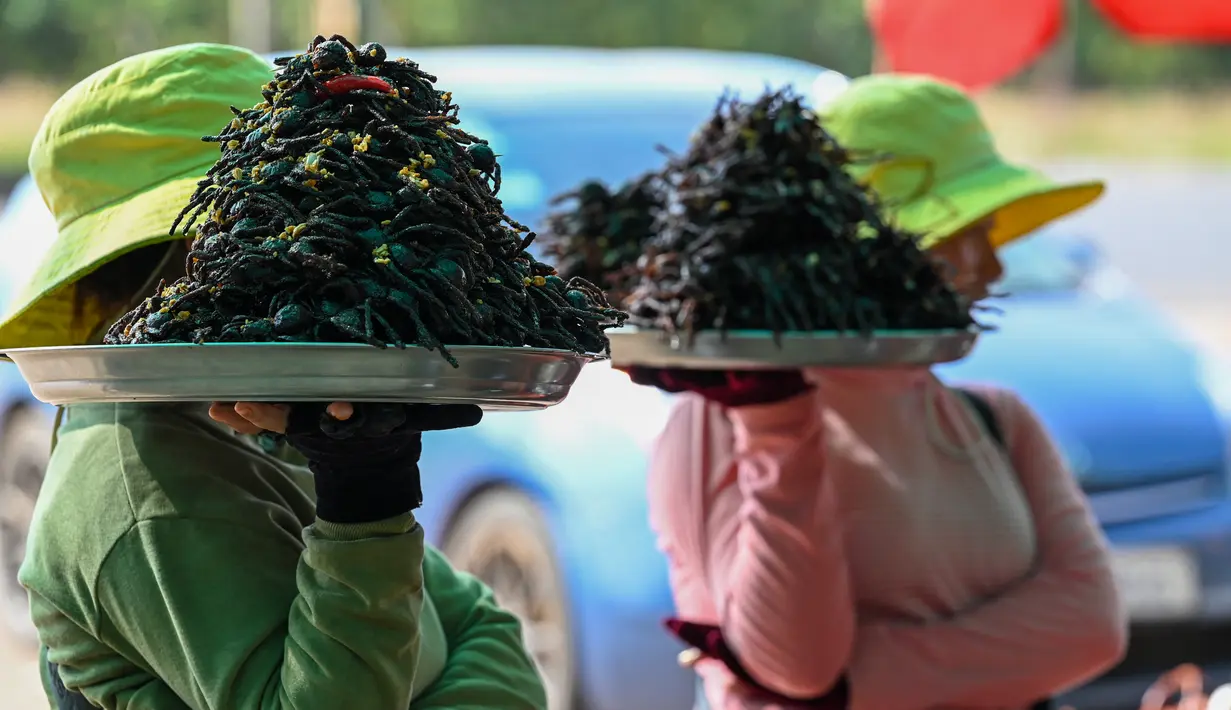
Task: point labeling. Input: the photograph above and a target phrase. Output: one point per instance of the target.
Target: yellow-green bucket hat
(930, 157)
(116, 159)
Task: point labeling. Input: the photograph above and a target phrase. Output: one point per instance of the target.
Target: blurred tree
(832, 33)
(250, 24)
(63, 40)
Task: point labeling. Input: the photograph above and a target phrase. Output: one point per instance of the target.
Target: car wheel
(25, 446)
(501, 537)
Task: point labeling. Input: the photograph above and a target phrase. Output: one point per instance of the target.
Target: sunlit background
(1151, 118)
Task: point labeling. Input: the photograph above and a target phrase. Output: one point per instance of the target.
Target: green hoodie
(174, 564)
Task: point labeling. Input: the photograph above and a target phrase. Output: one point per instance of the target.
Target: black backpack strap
(986, 414)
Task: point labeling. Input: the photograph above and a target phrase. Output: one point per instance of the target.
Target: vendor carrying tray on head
(769, 254)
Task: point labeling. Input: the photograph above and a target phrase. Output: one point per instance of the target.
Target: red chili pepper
(354, 82)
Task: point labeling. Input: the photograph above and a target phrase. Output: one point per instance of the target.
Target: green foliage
(831, 33)
(63, 40)
(1106, 58)
(88, 34)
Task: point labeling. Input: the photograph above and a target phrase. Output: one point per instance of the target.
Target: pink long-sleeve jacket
(872, 528)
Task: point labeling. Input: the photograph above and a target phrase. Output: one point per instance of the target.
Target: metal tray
(757, 349)
(494, 378)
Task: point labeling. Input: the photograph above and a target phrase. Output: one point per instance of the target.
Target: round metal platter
(494, 378)
(759, 349)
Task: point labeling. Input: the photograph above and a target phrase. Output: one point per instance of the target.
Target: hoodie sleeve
(273, 636)
(773, 547)
(488, 666)
(1060, 626)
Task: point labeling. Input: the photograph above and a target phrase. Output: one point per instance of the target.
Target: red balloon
(973, 43)
(1171, 20)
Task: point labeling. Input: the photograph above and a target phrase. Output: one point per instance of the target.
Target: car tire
(501, 536)
(25, 446)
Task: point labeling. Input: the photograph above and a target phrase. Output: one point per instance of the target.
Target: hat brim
(1021, 200)
(43, 314)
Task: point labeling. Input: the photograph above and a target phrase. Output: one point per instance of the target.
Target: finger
(224, 413)
(269, 417)
(445, 416)
(341, 410)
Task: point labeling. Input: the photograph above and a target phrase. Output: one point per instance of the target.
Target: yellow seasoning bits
(182, 315)
(232, 144)
(540, 281)
(380, 254)
(312, 162)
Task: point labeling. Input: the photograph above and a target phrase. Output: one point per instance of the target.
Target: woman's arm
(775, 556)
(338, 628)
(225, 614)
(1060, 626)
(488, 666)
(113, 681)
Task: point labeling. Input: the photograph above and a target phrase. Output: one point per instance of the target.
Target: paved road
(1169, 228)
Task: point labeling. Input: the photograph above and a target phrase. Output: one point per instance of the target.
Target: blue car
(549, 508)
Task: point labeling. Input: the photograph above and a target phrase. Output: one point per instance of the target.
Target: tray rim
(523, 349)
(764, 349)
(91, 356)
(755, 334)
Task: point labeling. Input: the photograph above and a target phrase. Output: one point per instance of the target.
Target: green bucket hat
(116, 159)
(934, 163)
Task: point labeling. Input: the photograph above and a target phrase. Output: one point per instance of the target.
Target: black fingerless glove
(367, 467)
